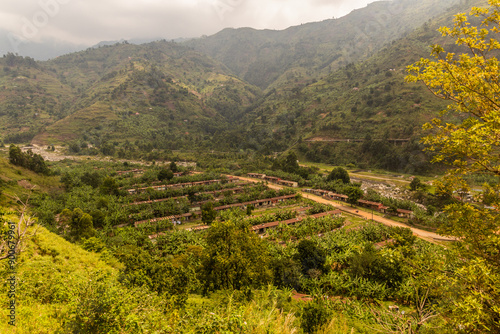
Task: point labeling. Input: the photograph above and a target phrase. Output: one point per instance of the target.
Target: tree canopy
(354, 194)
(235, 258)
(339, 173)
(470, 81)
(34, 162)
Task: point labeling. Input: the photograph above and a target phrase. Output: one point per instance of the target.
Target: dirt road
(426, 235)
(430, 236)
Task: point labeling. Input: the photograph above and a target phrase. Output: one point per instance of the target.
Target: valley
(331, 177)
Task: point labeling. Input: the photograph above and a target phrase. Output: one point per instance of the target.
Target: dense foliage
(281, 267)
(28, 159)
(469, 81)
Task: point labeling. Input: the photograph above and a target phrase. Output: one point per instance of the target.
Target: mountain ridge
(261, 56)
(126, 99)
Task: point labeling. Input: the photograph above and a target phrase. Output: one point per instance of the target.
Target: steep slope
(30, 98)
(364, 113)
(126, 99)
(20, 183)
(162, 94)
(50, 272)
(262, 57)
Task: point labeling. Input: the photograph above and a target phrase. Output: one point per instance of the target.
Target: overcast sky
(91, 21)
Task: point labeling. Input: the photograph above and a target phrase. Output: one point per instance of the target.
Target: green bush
(104, 306)
(314, 315)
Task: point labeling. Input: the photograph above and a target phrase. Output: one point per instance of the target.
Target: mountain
(161, 93)
(363, 114)
(265, 57)
(125, 99)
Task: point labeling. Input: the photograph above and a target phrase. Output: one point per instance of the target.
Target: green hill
(50, 270)
(339, 79)
(366, 103)
(161, 93)
(18, 183)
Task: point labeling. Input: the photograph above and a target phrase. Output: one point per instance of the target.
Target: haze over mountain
(33, 28)
(262, 56)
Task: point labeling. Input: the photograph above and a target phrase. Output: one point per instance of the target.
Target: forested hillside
(363, 114)
(267, 57)
(321, 85)
(174, 202)
(160, 95)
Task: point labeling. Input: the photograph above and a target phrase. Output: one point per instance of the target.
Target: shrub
(314, 315)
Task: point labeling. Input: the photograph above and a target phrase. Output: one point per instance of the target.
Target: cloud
(90, 21)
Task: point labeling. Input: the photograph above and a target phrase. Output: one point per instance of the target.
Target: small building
(273, 179)
(404, 213)
(256, 175)
(199, 228)
(292, 184)
(334, 213)
(338, 197)
(372, 205)
(383, 209)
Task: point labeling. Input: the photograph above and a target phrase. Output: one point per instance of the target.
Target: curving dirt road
(426, 235)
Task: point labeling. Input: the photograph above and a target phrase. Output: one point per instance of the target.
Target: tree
(372, 265)
(286, 273)
(250, 208)
(353, 193)
(16, 156)
(165, 174)
(34, 162)
(234, 258)
(416, 184)
(191, 195)
(470, 81)
(109, 186)
(92, 179)
(490, 195)
(80, 223)
(173, 167)
(311, 256)
(339, 173)
(208, 214)
(314, 315)
(288, 163)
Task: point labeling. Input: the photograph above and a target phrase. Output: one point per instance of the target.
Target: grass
(354, 221)
(49, 269)
(375, 174)
(259, 212)
(17, 181)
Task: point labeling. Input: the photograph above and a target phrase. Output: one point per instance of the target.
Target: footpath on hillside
(426, 235)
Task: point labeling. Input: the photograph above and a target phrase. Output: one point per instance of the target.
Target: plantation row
(150, 194)
(198, 195)
(153, 176)
(184, 205)
(162, 187)
(261, 228)
(303, 247)
(266, 202)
